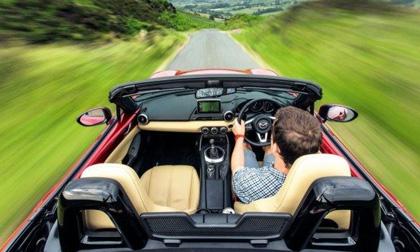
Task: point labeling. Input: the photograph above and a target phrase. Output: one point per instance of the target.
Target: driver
(295, 133)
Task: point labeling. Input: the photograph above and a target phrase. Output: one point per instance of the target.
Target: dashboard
(185, 112)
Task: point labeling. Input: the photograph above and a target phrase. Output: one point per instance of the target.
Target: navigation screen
(208, 106)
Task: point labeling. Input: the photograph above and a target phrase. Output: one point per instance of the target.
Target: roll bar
(338, 193)
(101, 194)
(325, 195)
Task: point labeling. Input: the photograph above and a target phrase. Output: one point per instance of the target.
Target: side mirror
(337, 113)
(94, 117)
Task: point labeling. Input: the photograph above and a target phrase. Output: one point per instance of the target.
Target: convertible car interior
(167, 183)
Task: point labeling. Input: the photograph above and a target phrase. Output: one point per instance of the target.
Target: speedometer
(256, 106)
(268, 107)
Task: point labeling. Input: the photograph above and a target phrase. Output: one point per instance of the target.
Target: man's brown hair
(297, 133)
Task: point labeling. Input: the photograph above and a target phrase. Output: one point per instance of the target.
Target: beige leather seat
(303, 173)
(166, 188)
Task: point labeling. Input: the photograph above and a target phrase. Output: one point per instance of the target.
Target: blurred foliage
(241, 21)
(40, 21)
(139, 9)
(43, 89)
(364, 54)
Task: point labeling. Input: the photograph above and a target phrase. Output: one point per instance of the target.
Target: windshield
(237, 88)
(284, 96)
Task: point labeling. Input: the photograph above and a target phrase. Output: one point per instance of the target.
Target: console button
(210, 171)
(223, 130)
(205, 131)
(214, 131)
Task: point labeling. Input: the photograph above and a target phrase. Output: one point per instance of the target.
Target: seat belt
(133, 151)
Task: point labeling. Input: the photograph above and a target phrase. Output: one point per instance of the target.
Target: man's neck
(279, 164)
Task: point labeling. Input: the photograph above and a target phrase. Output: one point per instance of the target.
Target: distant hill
(228, 8)
(40, 21)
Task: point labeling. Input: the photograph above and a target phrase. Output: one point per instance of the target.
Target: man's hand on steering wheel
(239, 129)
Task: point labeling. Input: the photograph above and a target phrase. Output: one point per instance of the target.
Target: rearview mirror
(213, 92)
(337, 113)
(94, 117)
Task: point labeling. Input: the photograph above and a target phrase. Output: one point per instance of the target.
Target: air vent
(143, 119)
(228, 116)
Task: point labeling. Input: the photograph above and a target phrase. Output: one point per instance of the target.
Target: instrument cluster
(262, 106)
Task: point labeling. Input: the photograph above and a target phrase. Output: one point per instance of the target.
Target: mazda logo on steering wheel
(263, 124)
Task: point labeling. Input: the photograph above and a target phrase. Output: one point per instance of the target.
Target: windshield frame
(121, 95)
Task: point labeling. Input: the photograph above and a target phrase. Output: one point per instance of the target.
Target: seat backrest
(174, 186)
(130, 183)
(302, 174)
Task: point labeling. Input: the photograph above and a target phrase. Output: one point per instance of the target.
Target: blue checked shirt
(250, 184)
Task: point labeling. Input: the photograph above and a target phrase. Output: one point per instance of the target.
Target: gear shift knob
(213, 151)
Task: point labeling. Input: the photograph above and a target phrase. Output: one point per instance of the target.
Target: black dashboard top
(184, 106)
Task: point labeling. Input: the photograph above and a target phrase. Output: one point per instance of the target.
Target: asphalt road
(211, 49)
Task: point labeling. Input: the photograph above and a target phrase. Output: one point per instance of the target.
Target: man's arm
(238, 157)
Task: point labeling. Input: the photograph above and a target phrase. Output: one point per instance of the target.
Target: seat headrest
(313, 165)
(304, 171)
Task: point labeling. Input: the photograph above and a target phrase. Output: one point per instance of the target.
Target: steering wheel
(260, 124)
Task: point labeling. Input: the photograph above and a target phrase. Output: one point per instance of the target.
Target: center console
(215, 169)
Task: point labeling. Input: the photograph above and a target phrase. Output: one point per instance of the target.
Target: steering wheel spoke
(262, 137)
(247, 122)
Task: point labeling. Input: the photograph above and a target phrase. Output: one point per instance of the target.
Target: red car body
(113, 134)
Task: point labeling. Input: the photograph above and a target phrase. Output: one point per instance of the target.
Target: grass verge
(365, 57)
(42, 90)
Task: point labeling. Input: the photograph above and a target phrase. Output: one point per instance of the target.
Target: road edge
(255, 56)
(173, 55)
